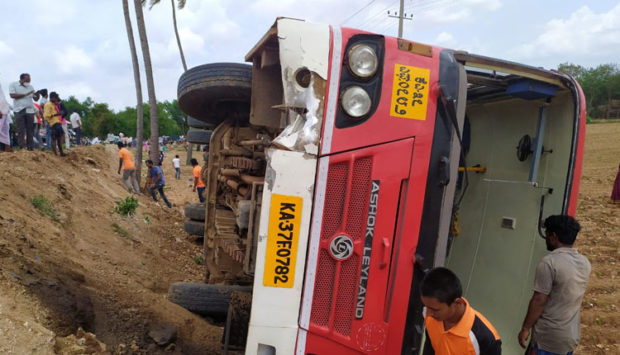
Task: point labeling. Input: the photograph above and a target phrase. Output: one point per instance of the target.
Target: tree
(148, 68)
(176, 33)
(136, 78)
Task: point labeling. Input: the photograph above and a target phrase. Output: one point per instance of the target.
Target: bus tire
(196, 228)
(215, 92)
(203, 299)
(195, 211)
(199, 136)
(194, 123)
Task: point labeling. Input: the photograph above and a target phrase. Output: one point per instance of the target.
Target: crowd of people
(35, 112)
(155, 177)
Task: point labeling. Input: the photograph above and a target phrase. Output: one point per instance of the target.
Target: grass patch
(121, 231)
(126, 207)
(198, 259)
(45, 207)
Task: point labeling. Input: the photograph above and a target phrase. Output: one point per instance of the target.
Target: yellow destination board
(410, 92)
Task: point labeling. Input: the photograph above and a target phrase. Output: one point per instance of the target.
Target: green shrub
(45, 207)
(126, 207)
(121, 231)
(588, 119)
(198, 259)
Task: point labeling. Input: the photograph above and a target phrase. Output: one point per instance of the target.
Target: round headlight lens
(355, 101)
(363, 60)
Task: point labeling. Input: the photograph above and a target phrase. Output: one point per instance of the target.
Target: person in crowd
(21, 92)
(76, 125)
(125, 161)
(37, 120)
(63, 121)
(615, 192)
(198, 184)
(5, 124)
(452, 325)
(52, 116)
(160, 160)
(559, 284)
(48, 131)
(158, 182)
(176, 162)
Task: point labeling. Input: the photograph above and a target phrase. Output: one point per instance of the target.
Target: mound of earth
(72, 263)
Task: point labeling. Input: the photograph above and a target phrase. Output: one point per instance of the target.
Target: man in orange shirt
(198, 184)
(125, 160)
(453, 327)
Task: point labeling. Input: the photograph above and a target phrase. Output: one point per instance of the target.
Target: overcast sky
(80, 47)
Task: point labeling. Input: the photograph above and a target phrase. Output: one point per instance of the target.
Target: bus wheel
(195, 211)
(204, 299)
(215, 92)
(199, 136)
(196, 228)
(194, 123)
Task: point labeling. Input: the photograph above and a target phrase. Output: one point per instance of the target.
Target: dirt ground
(600, 220)
(89, 267)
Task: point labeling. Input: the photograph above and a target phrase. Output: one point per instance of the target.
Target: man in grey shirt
(559, 285)
(21, 92)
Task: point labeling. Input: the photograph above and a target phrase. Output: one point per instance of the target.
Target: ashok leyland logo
(341, 247)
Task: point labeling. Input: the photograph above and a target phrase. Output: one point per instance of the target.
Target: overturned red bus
(344, 164)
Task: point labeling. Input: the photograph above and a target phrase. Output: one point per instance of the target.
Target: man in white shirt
(76, 124)
(177, 166)
(21, 92)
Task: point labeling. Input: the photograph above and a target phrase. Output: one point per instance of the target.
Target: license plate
(410, 92)
(282, 240)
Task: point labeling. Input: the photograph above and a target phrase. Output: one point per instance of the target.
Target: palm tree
(136, 77)
(176, 33)
(148, 68)
(174, 22)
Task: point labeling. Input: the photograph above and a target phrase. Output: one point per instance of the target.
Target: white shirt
(176, 162)
(23, 102)
(75, 118)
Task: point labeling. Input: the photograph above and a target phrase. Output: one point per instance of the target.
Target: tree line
(601, 86)
(98, 119)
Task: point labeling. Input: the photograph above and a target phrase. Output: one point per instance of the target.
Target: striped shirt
(472, 335)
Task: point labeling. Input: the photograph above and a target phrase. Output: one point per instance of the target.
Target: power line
(357, 12)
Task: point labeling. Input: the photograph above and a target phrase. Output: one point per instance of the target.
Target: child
(177, 166)
(452, 325)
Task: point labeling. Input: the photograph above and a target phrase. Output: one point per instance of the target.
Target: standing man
(157, 176)
(198, 184)
(48, 131)
(452, 325)
(125, 160)
(52, 116)
(176, 162)
(559, 285)
(76, 124)
(5, 109)
(21, 92)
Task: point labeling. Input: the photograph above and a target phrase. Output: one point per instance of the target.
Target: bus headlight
(363, 60)
(355, 101)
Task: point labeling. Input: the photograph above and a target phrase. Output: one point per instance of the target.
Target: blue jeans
(201, 191)
(48, 136)
(538, 351)
(178, 173)
(160, 188)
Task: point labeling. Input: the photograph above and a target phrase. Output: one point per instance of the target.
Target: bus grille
(346, 208)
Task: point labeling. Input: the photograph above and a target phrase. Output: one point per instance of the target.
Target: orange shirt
(473, 334)
(196, 173)
(125, 154)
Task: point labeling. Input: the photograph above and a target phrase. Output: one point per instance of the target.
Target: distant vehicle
(346, 164)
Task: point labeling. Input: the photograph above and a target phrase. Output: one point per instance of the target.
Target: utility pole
(401, 16)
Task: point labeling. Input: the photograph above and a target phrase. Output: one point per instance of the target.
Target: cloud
(583, 33)
(445, 39)
(72, 58)
(5, 49)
